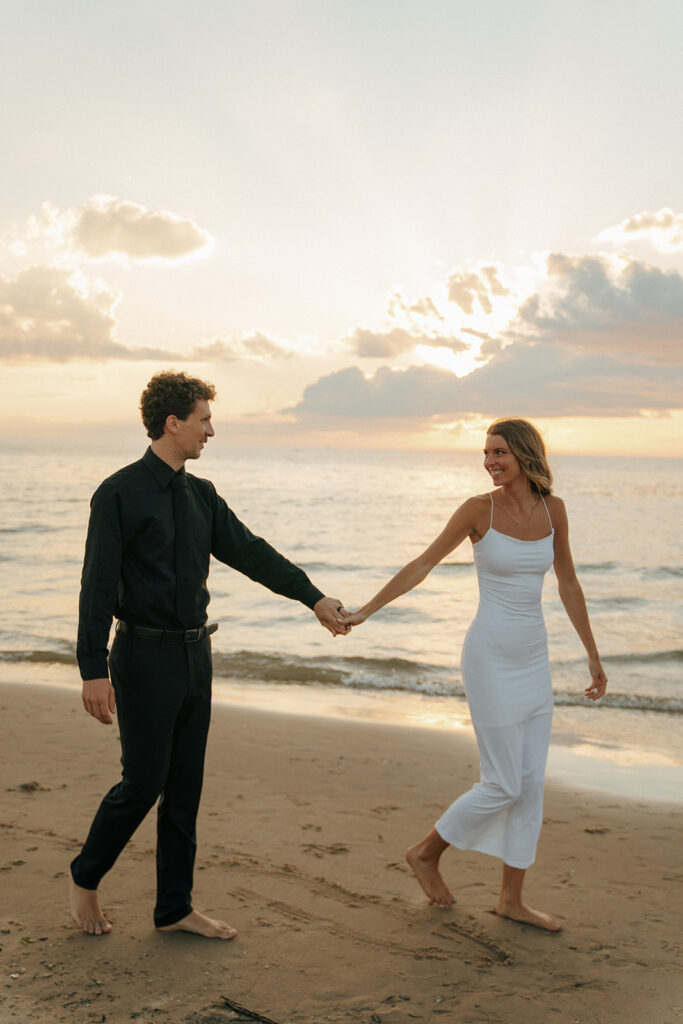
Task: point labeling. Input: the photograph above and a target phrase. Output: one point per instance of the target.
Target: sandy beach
(301, 834)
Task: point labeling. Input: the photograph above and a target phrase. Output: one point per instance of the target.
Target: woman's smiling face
(499, 462)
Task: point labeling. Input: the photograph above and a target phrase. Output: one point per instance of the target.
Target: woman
(517, 532)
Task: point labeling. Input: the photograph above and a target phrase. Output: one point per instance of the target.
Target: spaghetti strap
(547, 513)
(491, 520)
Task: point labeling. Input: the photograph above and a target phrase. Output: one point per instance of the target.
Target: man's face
(193, 433)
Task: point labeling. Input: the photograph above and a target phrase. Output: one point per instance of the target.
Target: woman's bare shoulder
(478, 508)
(476, 503)
(556, 508)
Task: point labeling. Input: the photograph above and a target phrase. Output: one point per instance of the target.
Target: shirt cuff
(93, 667)
(310, 596)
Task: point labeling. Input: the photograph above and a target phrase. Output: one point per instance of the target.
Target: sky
(377, 223)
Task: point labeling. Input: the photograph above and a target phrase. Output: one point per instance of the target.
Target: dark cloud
(632, 311)
(524, 379)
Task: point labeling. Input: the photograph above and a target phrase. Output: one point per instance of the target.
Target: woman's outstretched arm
(573, 600)
(462, 524)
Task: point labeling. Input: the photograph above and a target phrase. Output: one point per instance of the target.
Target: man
(152, 531)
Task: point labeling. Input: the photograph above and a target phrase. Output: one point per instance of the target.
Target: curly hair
(528, 447)
(171, 394)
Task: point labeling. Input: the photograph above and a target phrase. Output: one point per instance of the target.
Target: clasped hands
(331, 614)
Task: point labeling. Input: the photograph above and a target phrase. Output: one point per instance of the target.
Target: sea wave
(31, 528)
(664, 571)
(644, 658)
(646, 571)
(381, 570)
(398, 674)
(402, 675)
(46, 657)
(620, 601)
(625, 701)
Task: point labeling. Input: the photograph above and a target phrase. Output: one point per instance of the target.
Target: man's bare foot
(426, 870)
(526, 915)
(85, 910)
(200, 924)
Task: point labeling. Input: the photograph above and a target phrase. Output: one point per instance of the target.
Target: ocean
(351, 519)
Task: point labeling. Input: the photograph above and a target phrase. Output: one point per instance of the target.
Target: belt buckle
(191, 636)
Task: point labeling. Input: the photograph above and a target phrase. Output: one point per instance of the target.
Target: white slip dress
(506, 672)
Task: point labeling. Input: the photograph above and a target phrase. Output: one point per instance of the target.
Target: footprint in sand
(319, 850)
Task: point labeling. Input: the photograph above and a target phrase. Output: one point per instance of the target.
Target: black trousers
(163, 704)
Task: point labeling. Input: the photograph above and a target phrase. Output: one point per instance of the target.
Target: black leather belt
(183, 636)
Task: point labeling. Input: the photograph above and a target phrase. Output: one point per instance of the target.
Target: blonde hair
(528, 447)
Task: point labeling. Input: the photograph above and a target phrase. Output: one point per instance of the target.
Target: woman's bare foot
(85, 910)
(425, 866)
(526, 915)
(200, 924)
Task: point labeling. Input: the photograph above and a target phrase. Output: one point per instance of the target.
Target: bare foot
(526, 915)
(426, 870)
(85, 910)
(200, 924)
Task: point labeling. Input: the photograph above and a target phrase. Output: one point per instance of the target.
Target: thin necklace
(514, 518)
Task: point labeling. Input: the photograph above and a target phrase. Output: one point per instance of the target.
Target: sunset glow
(366, 230)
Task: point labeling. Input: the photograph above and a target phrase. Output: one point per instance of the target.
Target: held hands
(329, 612)
(352, 618)
(598, 680)
(99, 700)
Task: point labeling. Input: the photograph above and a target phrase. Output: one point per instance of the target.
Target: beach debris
(245, 1012)
(33, 787)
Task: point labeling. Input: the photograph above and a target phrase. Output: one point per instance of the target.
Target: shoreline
(604, 751)
(302, 828)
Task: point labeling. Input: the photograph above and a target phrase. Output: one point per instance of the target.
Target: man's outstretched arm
(235, 544)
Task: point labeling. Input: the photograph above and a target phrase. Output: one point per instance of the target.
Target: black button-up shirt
(129, 569)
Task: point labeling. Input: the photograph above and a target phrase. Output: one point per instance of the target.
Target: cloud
(623, 307)
(105, 227)
(55, 315)
(524, 379)
(465, 287)
(423, 306)
(256, 346)
(395, 341)
(410, 323)
(664, 230)
(597, 336)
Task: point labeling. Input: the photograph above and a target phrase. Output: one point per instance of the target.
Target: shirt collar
(160, 470)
